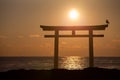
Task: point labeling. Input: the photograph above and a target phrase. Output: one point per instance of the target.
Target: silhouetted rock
(62, 74)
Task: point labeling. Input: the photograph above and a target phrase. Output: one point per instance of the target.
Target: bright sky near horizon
(21, 35)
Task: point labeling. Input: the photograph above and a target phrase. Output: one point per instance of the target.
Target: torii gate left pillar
(73, 28)
(56, 47)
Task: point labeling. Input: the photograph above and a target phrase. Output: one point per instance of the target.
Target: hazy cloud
(34, 36)
(3, 37)
(63, 43)
(116, 41)
(72, 47)
(109, 46)
(20, 36)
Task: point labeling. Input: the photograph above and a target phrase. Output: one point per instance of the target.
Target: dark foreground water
(70, 62)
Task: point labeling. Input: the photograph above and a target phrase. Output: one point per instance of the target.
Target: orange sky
(21, 35)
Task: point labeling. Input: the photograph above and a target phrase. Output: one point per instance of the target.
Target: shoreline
(62, 74)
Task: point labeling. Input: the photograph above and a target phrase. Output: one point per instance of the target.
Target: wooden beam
(52, 36)
(93, 27)
(73, 32)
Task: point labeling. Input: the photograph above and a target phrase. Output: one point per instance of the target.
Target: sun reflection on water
(73, 62)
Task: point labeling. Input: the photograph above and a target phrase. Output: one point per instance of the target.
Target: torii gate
(73, 29)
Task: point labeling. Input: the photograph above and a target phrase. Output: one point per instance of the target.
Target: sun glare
(73, 14)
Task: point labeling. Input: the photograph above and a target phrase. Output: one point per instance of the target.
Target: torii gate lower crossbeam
(73, 28)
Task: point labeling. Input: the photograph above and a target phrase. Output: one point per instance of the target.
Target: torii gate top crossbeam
(92, 27)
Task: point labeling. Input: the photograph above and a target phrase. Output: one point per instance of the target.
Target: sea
(47, 63)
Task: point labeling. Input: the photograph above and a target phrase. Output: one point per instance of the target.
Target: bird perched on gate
(107, 21)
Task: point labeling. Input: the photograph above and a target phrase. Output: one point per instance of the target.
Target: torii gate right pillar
(91, 53)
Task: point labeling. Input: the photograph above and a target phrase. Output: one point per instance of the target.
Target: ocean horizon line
(59, 56)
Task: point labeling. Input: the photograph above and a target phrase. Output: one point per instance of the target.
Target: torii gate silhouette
(73, 29)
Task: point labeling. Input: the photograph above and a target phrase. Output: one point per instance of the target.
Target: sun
(73, 14)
